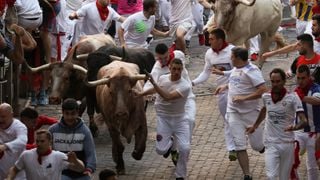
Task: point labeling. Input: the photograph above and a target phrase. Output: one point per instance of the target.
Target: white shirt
(316, 46)
(92, 23)
(243, 81)
(218, 60)
(28, 8)
(15, 138)
(50, 168)
(176, 107)
(280, 116)
(180, 11)
(136, 29)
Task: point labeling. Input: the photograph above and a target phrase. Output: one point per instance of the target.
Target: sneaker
(180, 178)
(247, 177)
(262, 151)
(201, 39)
(174, 157)
(232, 155)
(149, 39)
(43, 98)
(187, 44)
(34, 100)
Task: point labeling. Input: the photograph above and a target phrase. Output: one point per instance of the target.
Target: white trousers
(222, 104)
(303, 27)
(179, 128)
(197, 12)
(165, 9)
(307, 143)
(254, 45)
(279, 159)
(239, 122)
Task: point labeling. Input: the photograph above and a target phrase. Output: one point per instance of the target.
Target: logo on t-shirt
(140, 26)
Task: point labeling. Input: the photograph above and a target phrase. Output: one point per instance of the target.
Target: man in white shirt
(135, 30)
(280, 108)
(218, 57)
(170, 103)
(43, 162)
(97, 17)
(13, 140)
(246, 85)
(181, 20)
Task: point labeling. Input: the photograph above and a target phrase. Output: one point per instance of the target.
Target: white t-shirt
(176, 107)
(180, 11)
(92, 23)
(28, 8)
(243, 81)
(15, 138)
(316, 46)
(50, 169)
(219, 60)
(137, 28)
(280, 116)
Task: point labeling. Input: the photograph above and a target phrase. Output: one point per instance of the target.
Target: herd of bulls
(103, 77)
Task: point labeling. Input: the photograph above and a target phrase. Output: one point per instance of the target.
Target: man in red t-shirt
(33, 121)
(307, 54)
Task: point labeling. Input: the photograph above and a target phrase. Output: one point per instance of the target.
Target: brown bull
(123, 112)
(67, 81)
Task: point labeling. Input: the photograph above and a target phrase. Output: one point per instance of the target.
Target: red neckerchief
(171, 57)
(1, 154)
(43, 154)
(306, 89)
(317, 39)
(103, 11)
(224, 45)
(281, 95)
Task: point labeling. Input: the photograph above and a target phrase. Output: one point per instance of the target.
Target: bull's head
(225, 11)
(60, 74)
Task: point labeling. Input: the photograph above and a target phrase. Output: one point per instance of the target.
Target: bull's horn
(80, 68)
(37, 69)
(81, 56)
(246, 2)
(139, 77)
(116, 58)
(98, 82)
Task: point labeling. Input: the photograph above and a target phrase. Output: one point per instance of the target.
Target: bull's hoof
(121, 171)
(136, 155)
(94, 130)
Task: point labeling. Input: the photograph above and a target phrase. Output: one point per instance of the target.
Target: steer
(68, 82)
(122, 111)
(244, 19)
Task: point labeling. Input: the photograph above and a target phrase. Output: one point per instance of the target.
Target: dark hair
(240, 52)
(303, 68)
(46, 132)
(316, 17)
(147, 4)
(279, 71)
(161, 48)
(29, 113)
(306, 38)
(70, 104)
(106, 173)
(176, 61)
(219, 33)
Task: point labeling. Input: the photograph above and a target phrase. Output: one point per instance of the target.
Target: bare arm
(156, 32)
(302, 122)
(261, 117)
(205, 4)
(75, 163)
(255, 95)
(12, 173)
(163, 93)
(311, 100)
(286, 49)
(121, 37)
(121, 19)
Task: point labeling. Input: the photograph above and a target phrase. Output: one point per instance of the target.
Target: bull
(68, 81)
(244, 19)
(122, 111)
